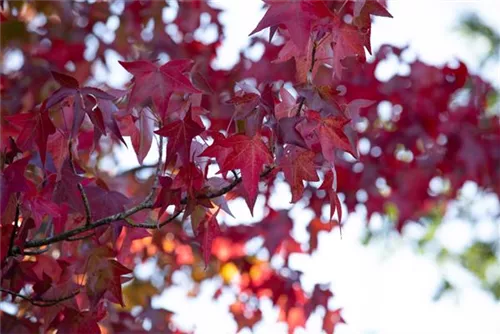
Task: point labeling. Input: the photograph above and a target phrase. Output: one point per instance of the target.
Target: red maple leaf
(298, 166)
(249, 155)
(180, 134)
(158, 82)
(206, 232)
(329, 186)
(331, 320)
(12, 180)
(296, 16)
(35, 127)
(84, 101)
(327, 132)
(104, 277)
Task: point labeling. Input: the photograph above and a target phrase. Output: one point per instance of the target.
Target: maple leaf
(104, 277)
(12, 180)
(327, 132)
(66, 187)
(35, 127)
(314, 227)
(85, 322)
(347, 43)
(180, 134)
(104, 203)
(158, 82)
(331, 320)
(296, 16)
(329, 185)
(167, 196)
(286, 108)
(275, 228)
(84, 101)
(249, 155)
(38, 204)
(362, 11)
(206, 232)
(140, 131)
(298, 166)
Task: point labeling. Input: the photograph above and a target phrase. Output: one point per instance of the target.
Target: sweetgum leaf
(12, 180)
(180, 134)
(84, 101)
(158, 82)
(296, 16)
(298, 166)
(249, 155)
(206, 232)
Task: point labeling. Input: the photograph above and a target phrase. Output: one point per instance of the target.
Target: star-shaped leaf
(249, 155)
(158, 82)
(296, 16)
(180, 134)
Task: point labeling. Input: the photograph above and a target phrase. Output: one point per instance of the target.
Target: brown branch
(146, 204)
(156, 226)
(41, 302)
(36, 251)
(81, 237)
(11, 252)
(137, 169)
(85, 200)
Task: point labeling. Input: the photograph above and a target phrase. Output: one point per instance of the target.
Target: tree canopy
(309, 113)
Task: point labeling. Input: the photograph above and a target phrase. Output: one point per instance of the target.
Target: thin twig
(36, 251)
(156, 226)
(41, 302)
(14, 231)
(137, 169)
(81, 237)
(85, 200)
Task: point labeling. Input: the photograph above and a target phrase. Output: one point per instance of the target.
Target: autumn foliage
(308, 113)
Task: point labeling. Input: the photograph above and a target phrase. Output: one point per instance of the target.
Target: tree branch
(146, 204)
(85, 200)
(14, 231)
(41, 302)
(155, 226)
(137, 169)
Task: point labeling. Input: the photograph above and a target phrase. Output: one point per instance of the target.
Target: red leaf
(36, 127)
(296, 16)
(331, 320)
(207, 231)
(328, 185)
(327, 132)
(180, 134)
(12, 180)
(158, 83)
(104, 278)
(298, 166)
(84, 101)
(249, 155)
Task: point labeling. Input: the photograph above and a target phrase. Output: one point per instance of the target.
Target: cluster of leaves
(73, 230)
